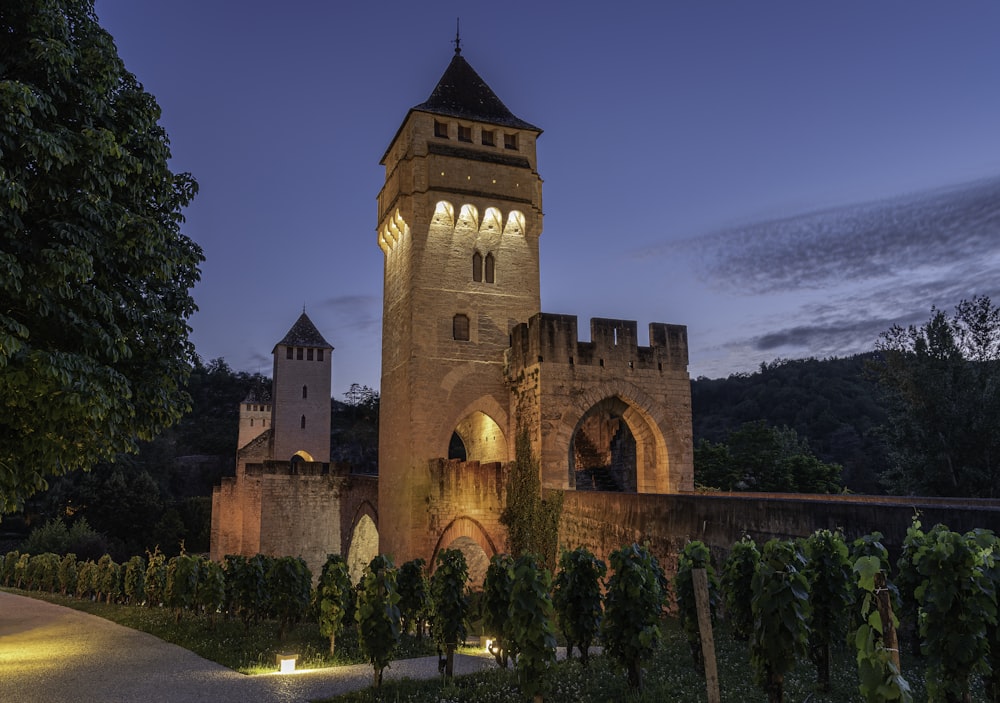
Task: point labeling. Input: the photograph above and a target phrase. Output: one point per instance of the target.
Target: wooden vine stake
(707, 638)
(889, 639)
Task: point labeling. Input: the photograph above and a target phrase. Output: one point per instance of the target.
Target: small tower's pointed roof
(462, 93)
(304, 334)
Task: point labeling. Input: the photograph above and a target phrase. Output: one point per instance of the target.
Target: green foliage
(211, 593)
(577, 599)
(53, 537)
(449, 602)
(532, 522)
(155, 582)
(289, 587)
(737, 579)
(378, 614)
(10, 560)
(495, 603)
(831, 402)
(941, 383)
(531, 624)
(334, 595)
(758, 457)
(43, 572)
(828, 573)
(246, 587)
(67, 574)
(95, 274)
(182, 583)
(957, 605)
(880, 680)
(414, 595)
(633, 604)
(695, 555)
(107, 582)
(135, 580)
(780, 607)
(86, 579)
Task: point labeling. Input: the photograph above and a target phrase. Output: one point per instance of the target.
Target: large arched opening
(614, 447)
(478, 437)
(363, 548)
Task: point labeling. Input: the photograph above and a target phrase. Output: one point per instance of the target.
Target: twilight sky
(785, 178)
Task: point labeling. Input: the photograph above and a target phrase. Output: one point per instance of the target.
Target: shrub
(737, 577)
(449, 603)
(577, 599)
(634, 602)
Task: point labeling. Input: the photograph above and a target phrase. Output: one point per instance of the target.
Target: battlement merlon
(550, 338)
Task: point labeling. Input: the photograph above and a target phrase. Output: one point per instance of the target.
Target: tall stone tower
(459, 219)
(300, 395)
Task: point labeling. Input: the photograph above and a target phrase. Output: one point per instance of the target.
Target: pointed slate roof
(304, 334)
(462, 93)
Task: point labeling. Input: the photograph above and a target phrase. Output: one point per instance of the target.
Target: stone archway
(476, 544)
(617, 446)
(603, 450)
(478, 437)
(363, 548)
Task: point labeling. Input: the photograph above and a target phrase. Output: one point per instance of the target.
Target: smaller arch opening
(477, 267)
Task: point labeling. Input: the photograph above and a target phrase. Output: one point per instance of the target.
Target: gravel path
(52, 653)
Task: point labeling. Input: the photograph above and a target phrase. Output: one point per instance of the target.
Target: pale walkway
(49, 653)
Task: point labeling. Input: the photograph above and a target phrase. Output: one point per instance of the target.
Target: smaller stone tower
(300, 395)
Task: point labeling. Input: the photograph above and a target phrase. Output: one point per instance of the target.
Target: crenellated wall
(557, 381)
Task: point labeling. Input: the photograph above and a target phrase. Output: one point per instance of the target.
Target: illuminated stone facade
(467, 358)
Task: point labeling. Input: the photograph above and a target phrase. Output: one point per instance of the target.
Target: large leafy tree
(942, 384)
(759, 457)
(95, 274)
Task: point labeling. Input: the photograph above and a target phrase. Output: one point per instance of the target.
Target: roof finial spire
(458, 37)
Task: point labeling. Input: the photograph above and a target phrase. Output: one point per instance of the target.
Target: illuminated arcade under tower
(459, 219)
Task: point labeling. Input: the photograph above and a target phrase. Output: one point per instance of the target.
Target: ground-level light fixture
(286, 663)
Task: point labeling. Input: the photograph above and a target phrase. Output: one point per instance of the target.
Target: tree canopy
(95, 274)
(941, 382)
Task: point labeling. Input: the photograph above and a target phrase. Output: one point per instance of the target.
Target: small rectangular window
(464, 134)
(510, 141)
(488, 138)
(309, 354)
(440, 129)
(460, 328)
(298, 353)
(319, 355)
(288, 352)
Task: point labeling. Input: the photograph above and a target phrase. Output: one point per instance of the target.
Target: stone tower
(300, 394)
(459, 219)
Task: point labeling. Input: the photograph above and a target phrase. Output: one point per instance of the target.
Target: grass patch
(670, 677)
(246, 650)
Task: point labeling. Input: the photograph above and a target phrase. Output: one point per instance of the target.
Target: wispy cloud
(938, 229)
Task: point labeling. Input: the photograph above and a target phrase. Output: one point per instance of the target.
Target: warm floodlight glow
(515, 223)
(286, 663)
(489, 644)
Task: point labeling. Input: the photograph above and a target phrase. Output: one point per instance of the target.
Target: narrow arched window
(490, 268)
(460, 327)
(305, 391)
(302, 422)
(251, 422)
(477, 267)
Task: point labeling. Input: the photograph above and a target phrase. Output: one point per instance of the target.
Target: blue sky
(787, 179)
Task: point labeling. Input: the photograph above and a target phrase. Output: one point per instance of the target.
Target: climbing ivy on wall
(532, 522)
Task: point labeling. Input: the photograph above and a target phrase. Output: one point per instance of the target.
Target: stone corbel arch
(464, 526)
